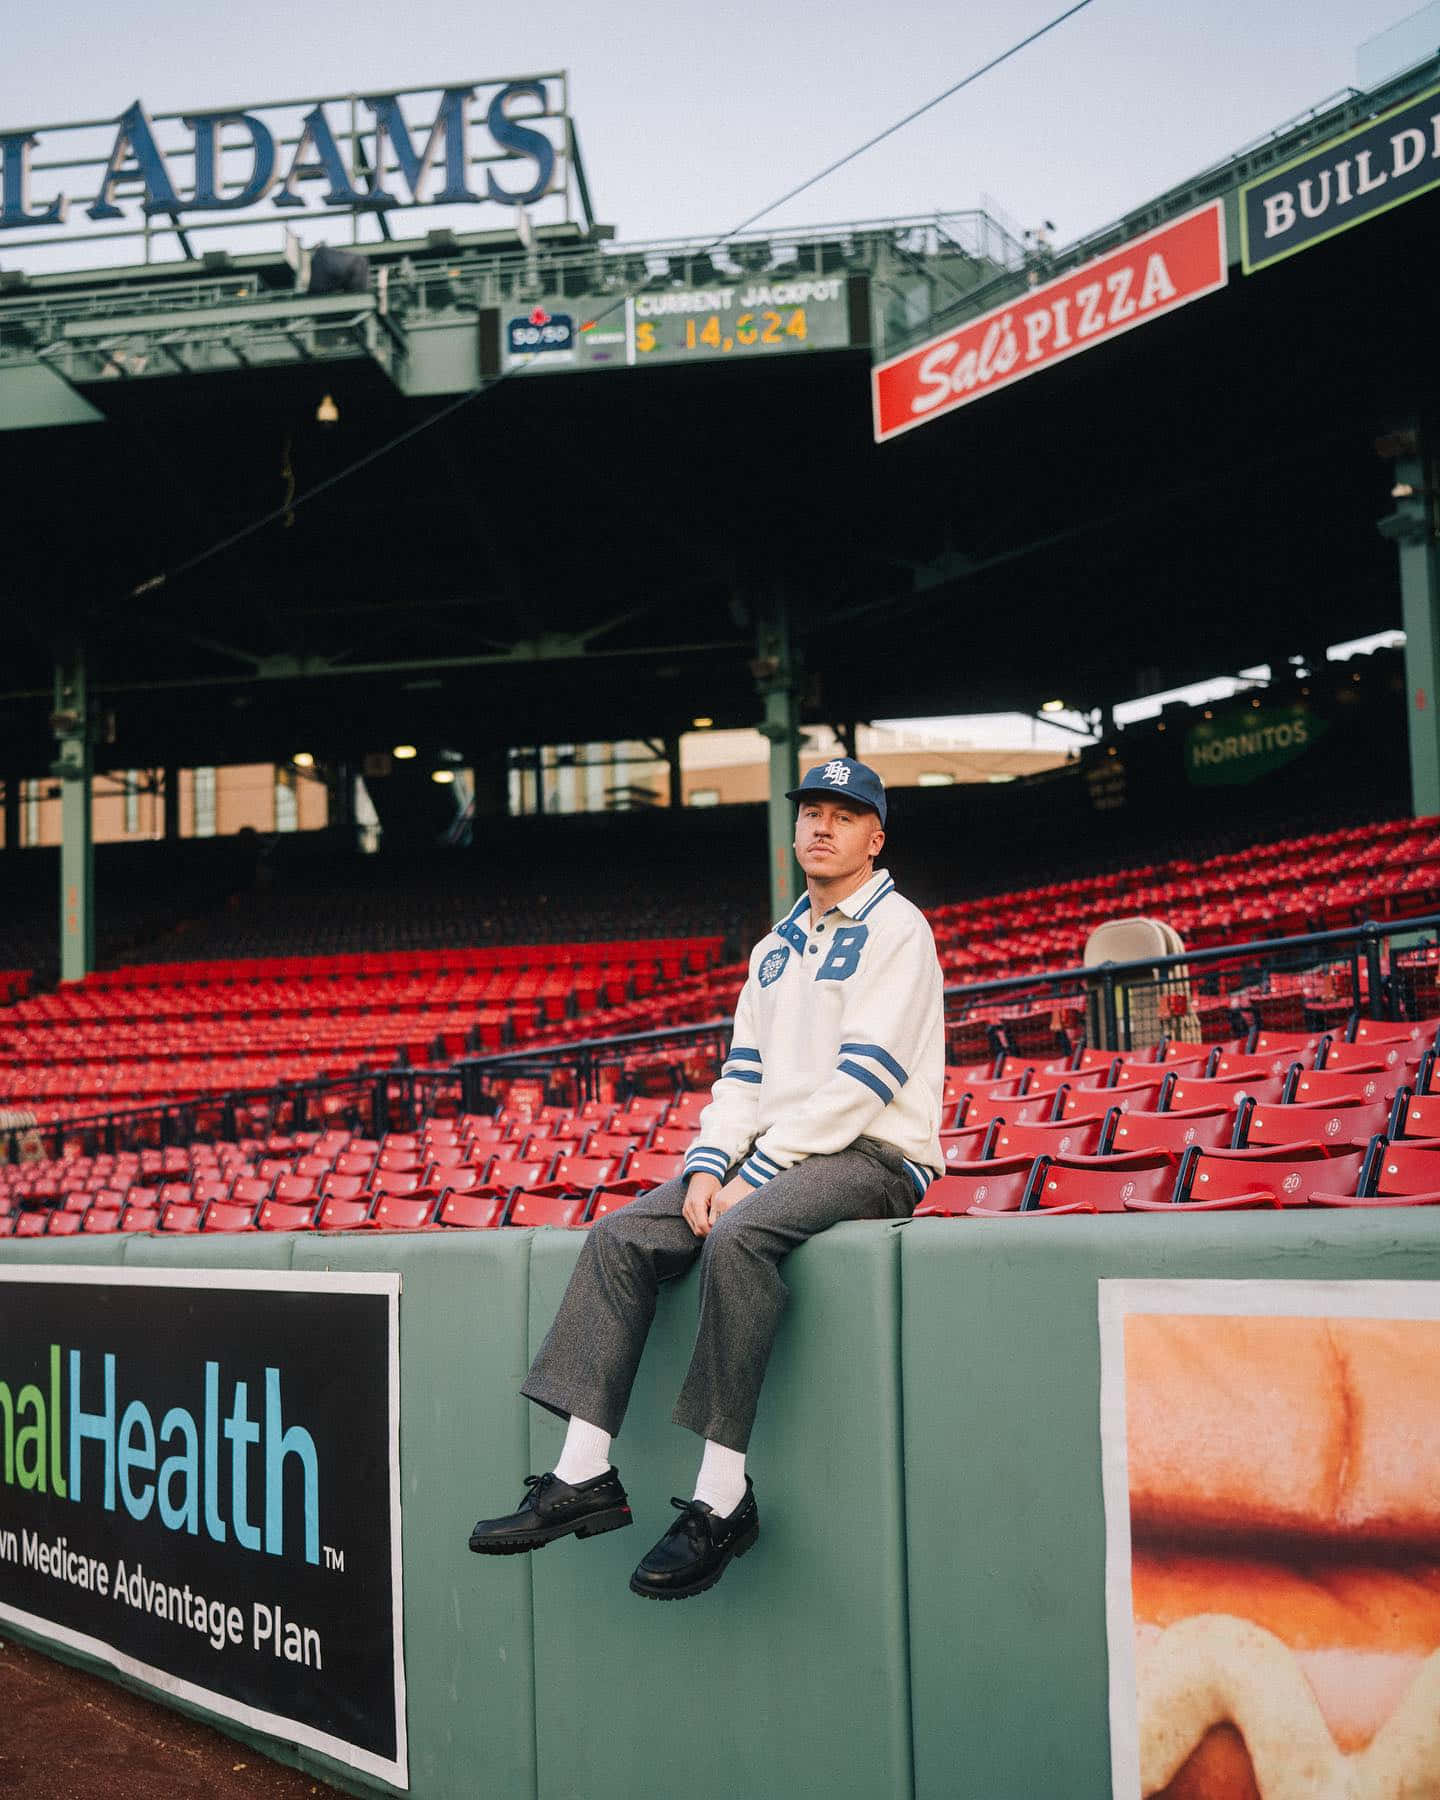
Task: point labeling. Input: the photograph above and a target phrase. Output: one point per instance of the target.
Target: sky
(693, 116)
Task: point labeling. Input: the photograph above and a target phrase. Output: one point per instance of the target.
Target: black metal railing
(1317, 979)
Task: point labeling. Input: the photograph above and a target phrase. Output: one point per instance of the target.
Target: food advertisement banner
(1047, 324)
(1271, 1460)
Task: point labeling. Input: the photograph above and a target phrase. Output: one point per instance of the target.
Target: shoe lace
(537, 1484)
(694, 1520)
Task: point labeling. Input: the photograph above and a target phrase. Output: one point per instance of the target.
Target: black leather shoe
(695, 1552)
(553, 1509)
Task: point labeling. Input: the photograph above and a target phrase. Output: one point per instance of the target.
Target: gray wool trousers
(587, 1363)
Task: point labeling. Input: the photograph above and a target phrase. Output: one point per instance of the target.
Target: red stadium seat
(1404, 1174)
(1415, 1116)
(615, 1143)
(647, 1169)
(277, 1215)
(991, 1187)
(1283, 1176)
(1312, 1124)
(246, 1193)
(396, 1212)
(335, 1214)
(295, 1190)
(1210, 1127)
(545, 1209)
(229, 1215)
(581, 1174)
(142, 1218)
(1072, 1137)
(473, 1212)
(608, 1202)
(1104, 1183)
(344, 1187)
(1341, 1087)
(1188, 1093)
(1394, 1054)
(66, 1224)
(99, 1218)
(181, 1218)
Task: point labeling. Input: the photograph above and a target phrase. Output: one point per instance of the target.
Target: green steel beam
(75, 768)
(1412, 529)
(777, 677)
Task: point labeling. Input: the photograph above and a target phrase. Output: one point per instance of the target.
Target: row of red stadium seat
(1202, 1179)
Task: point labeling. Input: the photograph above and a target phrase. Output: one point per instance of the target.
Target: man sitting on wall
(827, 1108)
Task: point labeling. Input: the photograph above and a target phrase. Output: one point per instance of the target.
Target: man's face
(834, 839)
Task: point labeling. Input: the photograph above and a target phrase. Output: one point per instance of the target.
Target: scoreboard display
(750, 319)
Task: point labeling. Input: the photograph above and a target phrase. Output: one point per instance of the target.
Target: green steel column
(777, 677)
(172, 803)
(1412, 529)
(74, 767)
(672, 757)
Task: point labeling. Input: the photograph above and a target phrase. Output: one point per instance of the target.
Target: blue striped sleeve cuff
(921, 1176)
(704, 1159)
(758, 1168)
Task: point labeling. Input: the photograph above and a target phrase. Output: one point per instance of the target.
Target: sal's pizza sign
(1144, 279)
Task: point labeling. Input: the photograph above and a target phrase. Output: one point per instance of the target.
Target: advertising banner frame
(282, 1281)
(1001, 330)
(1376, 1301)
(1251, 264)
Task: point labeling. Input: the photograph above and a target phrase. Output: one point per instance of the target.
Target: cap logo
(837, 774)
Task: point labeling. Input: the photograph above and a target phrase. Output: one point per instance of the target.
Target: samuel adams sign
(506, 143)
(200, 1485)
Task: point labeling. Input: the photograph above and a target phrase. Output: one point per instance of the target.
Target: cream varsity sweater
(839, 1034)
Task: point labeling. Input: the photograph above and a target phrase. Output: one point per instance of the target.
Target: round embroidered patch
(773, 966)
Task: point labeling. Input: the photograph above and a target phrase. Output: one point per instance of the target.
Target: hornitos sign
(1236, 748)
(1368, 171)
(499, 142)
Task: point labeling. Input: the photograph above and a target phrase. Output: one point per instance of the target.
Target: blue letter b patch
(844, 957)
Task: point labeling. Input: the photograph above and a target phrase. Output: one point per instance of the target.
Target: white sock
(721, 1481)
(586, 1453)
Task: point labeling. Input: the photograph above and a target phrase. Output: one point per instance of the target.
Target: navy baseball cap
(842, 778)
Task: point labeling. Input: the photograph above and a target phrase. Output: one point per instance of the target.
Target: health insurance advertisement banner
(1271, 1457)
(200, 1484)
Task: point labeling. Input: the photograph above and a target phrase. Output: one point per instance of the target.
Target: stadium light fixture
(404, 753)
(302, 759)
(327, 412)
(703, 722)
(443, 776)
(1052, 706)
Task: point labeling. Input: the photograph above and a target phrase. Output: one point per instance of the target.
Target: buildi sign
(1347, 181)
(1237, 748)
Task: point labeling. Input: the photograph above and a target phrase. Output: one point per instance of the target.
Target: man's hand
(706, 1201)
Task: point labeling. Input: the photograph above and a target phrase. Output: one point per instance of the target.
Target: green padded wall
(463, 1353)
(97, 1249)
(1005, 1520)
(790, 1678)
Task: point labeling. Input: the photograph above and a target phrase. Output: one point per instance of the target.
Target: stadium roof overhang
(562, 559)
